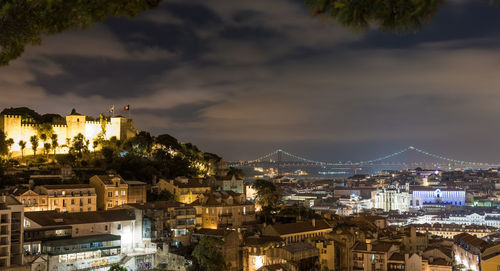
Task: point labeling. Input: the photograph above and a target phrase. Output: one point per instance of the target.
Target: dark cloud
(241, 78)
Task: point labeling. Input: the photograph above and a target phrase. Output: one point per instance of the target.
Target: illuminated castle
(19, 128)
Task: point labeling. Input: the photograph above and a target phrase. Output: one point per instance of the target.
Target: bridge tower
(278, 162)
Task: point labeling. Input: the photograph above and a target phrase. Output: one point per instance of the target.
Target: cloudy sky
(242, 78)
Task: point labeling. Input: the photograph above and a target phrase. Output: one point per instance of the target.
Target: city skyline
(243, 79)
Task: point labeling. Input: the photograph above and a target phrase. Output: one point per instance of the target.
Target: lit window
(116, 193)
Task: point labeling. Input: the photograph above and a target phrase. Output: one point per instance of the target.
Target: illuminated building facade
(185, 190)
(18, 128)
(391, 198)
(93, 241)
(67, 197)
(428, 196)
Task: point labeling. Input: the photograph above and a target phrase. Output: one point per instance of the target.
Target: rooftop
(54, 218)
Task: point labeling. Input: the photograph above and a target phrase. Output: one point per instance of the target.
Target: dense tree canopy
(268, 196)
(208, 255)
(388, 15)
(24, 22)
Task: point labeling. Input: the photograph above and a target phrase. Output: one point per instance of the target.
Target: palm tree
(34, 144)
(55, 144)
(22, 145)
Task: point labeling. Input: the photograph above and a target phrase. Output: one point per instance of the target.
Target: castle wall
(13, 128)
(92, 130)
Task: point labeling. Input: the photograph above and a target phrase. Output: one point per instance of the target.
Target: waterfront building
(111, 190)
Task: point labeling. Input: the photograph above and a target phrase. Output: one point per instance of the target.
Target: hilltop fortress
(19, 128)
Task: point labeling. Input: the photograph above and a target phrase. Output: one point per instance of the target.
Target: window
(123, 193)
(55, 202)
(119, 226)
(110, 194)
(76, 231)
(90, 201)
(116, 193)
(106, 227)
(72, 201)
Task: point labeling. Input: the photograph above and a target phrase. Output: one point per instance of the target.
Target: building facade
(111, 190)
(426, 196)
(68, 197)
(391, 198)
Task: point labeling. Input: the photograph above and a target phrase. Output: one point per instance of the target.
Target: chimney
(368, 245)
(314, 223)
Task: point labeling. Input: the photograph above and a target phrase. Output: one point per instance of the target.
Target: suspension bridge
(283, 158)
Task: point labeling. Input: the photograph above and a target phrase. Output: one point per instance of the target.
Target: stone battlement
(15, 127)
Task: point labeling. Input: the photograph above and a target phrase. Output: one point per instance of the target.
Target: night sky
(242, 78)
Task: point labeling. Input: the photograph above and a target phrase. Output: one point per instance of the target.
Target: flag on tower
(112, 109)
(126, 108)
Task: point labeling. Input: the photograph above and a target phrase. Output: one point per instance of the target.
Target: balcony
(226, 215)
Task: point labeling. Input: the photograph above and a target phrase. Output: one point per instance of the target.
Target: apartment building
(68, 197)
(111, 190)
(11, 231)
(184, 190)
(224, 209)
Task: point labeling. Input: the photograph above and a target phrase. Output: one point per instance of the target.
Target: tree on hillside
(34, 144)
(4, 150)
(117, 267)
(22, 145)
(25, 22)
(142, 143)
(208, 255)
(54, 142)
(268, 196)
(44, 131)
(78, 144)
(9, 142)
(167, 141)
(46, 148)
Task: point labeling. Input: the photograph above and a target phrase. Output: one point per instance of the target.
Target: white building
(425, 196)
(391, 198)
(93, 240)
(11, 231)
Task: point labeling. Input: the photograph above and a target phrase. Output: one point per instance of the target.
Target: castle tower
(11, 126)
(75, 123)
